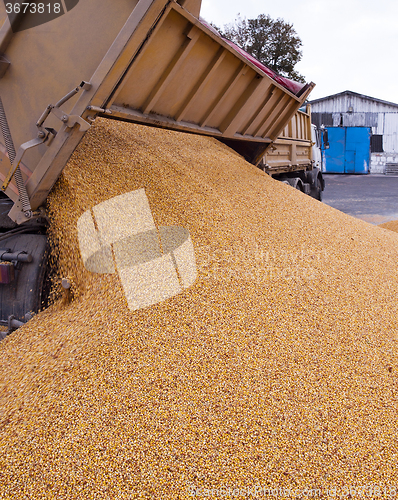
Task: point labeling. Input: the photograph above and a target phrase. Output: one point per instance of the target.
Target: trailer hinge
(69, 120)
(99, 110)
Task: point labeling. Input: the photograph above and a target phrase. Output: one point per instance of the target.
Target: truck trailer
(296, 156)
(153, 62)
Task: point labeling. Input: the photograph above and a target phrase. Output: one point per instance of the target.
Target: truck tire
(24, 294)
(316, 189)
(296, 183)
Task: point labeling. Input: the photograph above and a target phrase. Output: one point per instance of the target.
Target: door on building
(349, 151)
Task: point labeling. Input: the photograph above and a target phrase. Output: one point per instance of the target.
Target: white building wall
(341, 104)
(378, 162)
(388, 128)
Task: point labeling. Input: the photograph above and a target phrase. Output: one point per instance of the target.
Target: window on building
(376, 144)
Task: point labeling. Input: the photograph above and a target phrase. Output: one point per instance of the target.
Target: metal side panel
(187, 78)
(287, 155)
(106, 76)
(46, 62)
(299, 127)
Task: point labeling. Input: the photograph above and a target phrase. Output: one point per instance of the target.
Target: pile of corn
(391, 225)
(276, 370)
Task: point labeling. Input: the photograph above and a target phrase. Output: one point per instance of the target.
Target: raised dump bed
(148, 61)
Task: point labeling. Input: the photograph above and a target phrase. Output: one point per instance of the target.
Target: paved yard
(373, 198)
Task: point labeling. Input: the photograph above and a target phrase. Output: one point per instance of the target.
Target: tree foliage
(275, 43)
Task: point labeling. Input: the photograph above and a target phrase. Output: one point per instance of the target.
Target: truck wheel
(316, 189)
(296, 183)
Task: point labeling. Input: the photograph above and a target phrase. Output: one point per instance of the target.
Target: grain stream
(278, 367)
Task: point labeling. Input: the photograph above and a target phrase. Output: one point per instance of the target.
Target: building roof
(354, 94)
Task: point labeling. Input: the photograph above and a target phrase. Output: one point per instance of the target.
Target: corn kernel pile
(277, 369)
(391, 225)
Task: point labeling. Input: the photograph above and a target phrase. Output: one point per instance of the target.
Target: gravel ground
(276, 370)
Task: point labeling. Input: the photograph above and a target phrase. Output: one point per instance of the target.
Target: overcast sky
(347, 44)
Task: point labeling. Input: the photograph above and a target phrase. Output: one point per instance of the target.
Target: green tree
(275, 43)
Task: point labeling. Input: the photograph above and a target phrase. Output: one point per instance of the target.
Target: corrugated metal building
(341, 114)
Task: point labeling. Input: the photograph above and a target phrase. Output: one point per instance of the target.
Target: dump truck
(152, 62)
(295, 157)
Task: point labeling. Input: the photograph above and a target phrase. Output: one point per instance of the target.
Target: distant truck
(296, 156)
